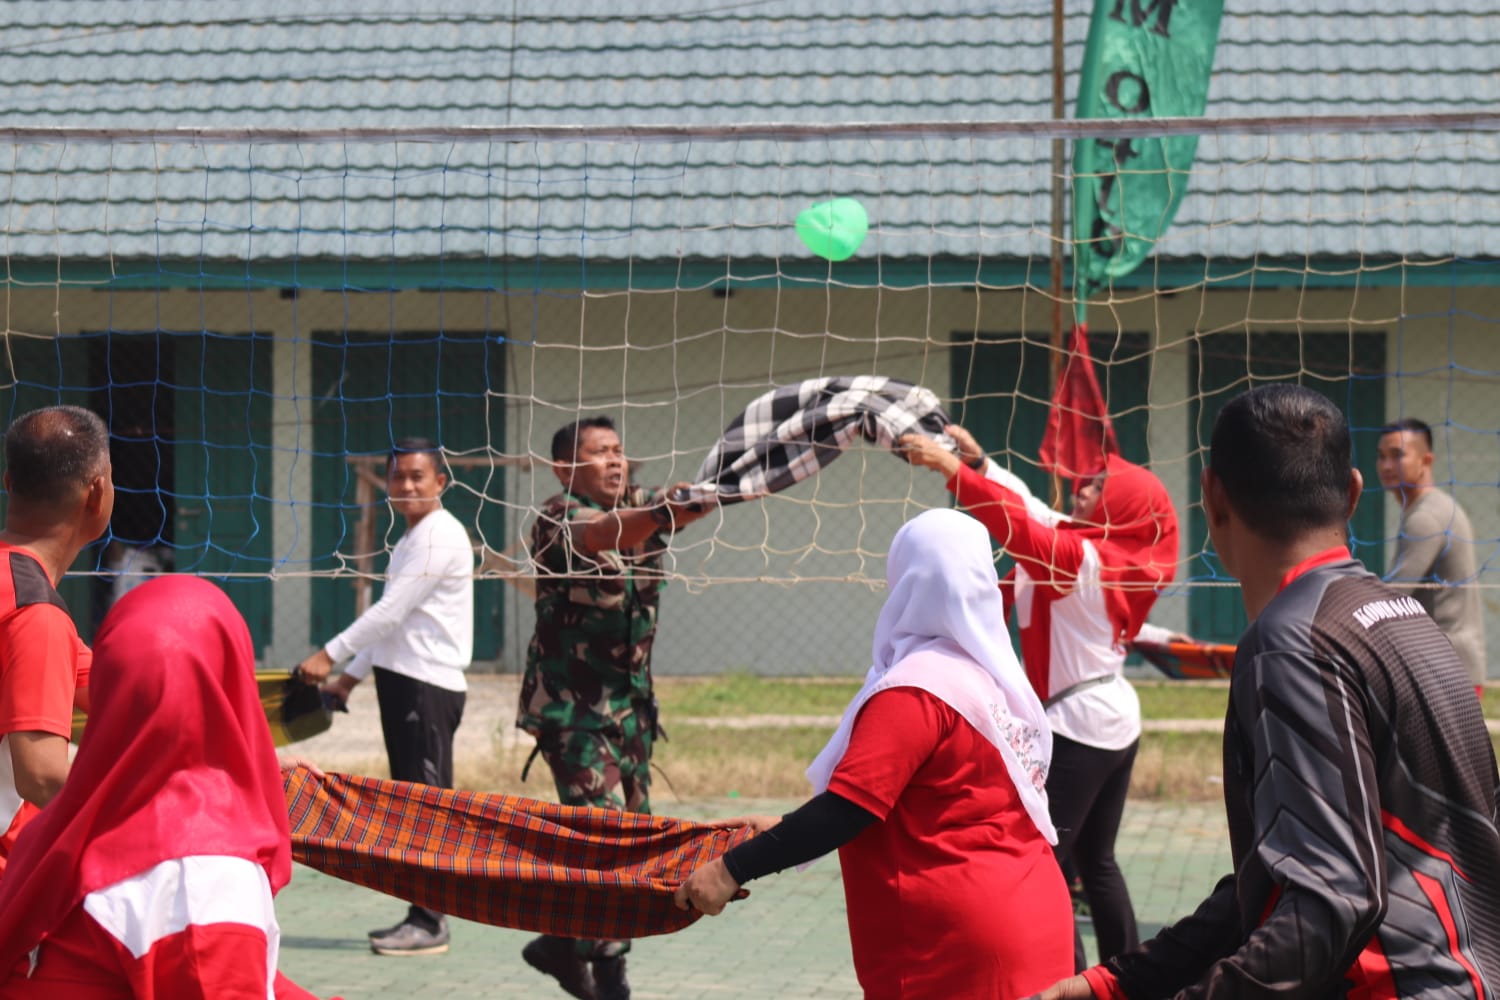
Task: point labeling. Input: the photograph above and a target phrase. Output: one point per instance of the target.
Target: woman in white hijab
(933, 791)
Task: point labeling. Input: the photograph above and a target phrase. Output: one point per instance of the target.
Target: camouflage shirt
(589, 662)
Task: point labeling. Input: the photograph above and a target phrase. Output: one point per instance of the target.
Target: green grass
(707, 761)
(697, 762)
(745, 694)
(710, 762)
(1166, 699)
(1180, 767)
(768, 761)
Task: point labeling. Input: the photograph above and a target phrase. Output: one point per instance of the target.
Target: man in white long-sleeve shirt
(418, 639)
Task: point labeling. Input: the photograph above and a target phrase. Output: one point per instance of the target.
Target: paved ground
(788, 940)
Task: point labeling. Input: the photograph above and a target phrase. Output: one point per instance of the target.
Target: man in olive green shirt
(1435, 551)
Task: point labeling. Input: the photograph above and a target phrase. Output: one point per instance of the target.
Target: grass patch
(697, 762)
(501, 772)
(704, 761)
(498, 773)
(746, 694)
(1166, 699)
(1186, 767)
(1180, 767)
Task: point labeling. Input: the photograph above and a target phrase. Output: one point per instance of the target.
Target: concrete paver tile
(788, 940)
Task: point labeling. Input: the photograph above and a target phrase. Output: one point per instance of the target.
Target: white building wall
(790, 584)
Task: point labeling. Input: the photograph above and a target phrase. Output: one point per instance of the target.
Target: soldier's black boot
(556, 957)
(609, 979)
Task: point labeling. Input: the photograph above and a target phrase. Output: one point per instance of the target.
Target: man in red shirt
(60, 495)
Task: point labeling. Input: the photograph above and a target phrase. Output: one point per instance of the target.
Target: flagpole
(1059, 192)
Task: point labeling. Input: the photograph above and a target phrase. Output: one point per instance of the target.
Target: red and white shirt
(1067, 636)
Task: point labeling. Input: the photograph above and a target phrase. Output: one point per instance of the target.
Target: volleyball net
(259, 316)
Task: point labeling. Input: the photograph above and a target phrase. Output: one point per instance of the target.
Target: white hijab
(942, 629)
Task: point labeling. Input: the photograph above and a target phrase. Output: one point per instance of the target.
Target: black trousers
(1086, 790)
(418, 721)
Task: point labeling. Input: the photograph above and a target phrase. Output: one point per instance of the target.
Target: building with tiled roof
(383, 65)
(269, 308)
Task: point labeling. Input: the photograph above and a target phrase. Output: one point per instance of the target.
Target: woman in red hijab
(151, 874)
(1081, 590)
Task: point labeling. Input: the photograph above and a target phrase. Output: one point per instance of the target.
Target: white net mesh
(260, 317)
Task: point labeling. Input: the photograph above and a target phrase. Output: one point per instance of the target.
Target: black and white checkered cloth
(790, 433)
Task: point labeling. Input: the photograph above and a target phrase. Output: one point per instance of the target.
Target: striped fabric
(500, 859)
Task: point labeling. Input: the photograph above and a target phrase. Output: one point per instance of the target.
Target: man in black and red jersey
(59, 498)
(1359, 779)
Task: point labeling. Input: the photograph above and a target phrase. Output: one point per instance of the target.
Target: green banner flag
(1145, 59)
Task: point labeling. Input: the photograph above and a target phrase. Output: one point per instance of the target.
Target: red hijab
(176, 760)
(1135, 533)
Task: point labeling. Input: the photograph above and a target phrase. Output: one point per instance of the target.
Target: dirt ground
(355, 744)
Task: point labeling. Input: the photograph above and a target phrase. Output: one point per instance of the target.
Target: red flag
(1079, 434)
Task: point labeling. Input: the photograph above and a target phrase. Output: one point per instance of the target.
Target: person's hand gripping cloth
(501, 859)
(790, 433)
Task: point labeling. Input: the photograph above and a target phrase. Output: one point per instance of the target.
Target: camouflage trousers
(605, 770)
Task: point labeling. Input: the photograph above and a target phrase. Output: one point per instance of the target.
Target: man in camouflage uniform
(587, 696)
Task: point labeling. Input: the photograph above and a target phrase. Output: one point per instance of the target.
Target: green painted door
(1001, 392)
(1347, 368)
(48, 371)
(374, 389)
(222, 448)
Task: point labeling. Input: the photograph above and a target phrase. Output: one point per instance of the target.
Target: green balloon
(834, 229)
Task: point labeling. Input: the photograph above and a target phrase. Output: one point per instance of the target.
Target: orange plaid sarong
(501, 859)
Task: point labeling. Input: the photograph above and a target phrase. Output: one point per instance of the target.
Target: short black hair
(51, 454)
(565, 441)
(417, 446)
(1411, 424)
(1282, 453)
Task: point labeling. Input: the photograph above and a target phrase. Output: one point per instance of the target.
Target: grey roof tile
(376, 63)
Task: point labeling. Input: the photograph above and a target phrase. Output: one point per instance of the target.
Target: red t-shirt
(43, 663)
(955, 893)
